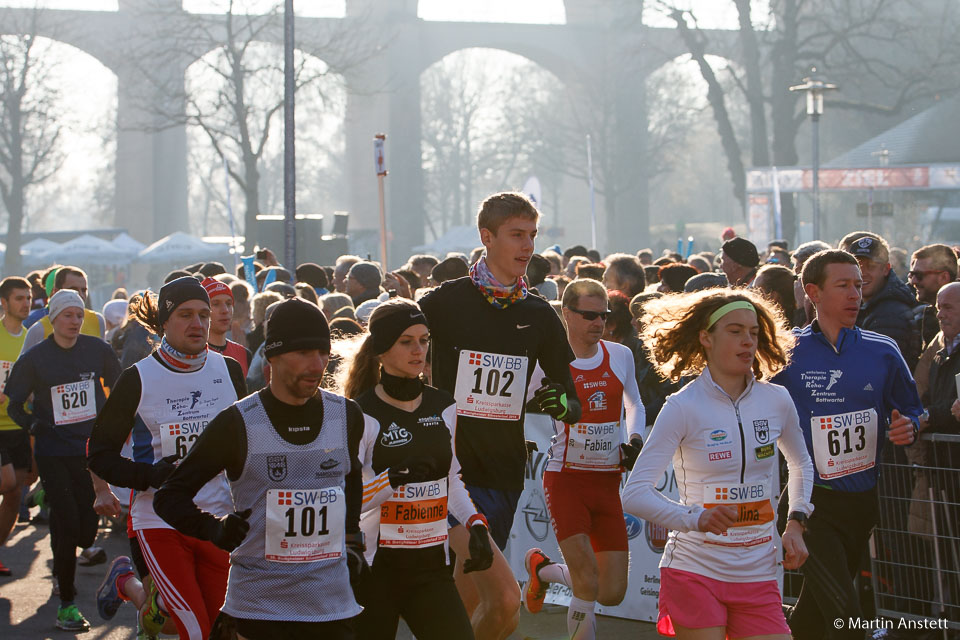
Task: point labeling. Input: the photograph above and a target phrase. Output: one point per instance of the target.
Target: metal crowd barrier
(913, 569)
(915, 549)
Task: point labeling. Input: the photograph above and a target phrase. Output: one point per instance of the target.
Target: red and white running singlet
(593, 444)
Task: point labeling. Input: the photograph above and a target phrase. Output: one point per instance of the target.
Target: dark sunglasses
(920, 275)
(590, 316)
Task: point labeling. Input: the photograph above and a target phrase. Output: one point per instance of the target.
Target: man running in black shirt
(487, 335)
(290, 454)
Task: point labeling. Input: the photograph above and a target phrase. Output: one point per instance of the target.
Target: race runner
(166, 400)
(411, 478)
(72, 279)
(582, 478)
(289, 452)
(854, 391)
(718, 572)
(488, 334)
(16, 453)
(221, 320)
(66, 374)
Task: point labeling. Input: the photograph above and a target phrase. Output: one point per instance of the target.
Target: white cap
(64, 299)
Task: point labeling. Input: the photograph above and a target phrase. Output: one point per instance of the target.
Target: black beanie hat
(296, 324)
(178, 291)
(741, 251)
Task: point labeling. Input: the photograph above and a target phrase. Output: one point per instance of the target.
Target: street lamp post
(815, 87)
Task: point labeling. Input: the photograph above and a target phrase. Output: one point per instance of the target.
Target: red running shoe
(536, 589)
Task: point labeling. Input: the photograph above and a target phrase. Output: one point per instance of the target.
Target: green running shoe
(154, 618)
(69, 618)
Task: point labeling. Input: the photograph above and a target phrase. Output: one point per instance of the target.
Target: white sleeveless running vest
(175, 408)
(292, 564)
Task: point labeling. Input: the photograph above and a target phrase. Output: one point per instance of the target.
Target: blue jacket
(844, 397)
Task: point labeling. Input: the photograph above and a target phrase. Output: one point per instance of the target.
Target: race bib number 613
(490, 385)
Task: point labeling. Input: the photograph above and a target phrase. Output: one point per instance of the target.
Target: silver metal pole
(289, 143)
(816, 175)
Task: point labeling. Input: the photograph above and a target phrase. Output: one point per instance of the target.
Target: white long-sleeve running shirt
(724, 452)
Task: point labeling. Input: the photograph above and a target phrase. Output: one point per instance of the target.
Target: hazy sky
(711, 12)
(90, 88)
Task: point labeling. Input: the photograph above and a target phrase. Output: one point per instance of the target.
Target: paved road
(28, 611)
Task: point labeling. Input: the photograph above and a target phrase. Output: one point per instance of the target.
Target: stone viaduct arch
(383, 96)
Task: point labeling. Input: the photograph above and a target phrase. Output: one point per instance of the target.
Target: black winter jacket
(891, 313)
(943, 391)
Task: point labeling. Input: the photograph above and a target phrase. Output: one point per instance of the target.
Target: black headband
(386, 329)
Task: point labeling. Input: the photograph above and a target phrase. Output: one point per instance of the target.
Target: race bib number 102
(490, 385)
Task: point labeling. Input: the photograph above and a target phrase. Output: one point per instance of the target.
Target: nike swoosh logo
(523, 326)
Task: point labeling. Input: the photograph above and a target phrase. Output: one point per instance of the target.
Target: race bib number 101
(490, 385)
(305, 525)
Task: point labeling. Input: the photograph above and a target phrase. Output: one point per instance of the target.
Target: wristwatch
(800, 517)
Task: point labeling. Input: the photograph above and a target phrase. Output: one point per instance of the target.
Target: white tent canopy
(87, 250)
(463, 239)
(125, 242)
(34, 253)
(183, 249)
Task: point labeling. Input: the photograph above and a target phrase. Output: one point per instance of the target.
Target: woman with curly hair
(721, 431)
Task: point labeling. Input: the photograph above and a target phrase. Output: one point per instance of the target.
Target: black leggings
(427, 599)
(836, 537)
(73, 522)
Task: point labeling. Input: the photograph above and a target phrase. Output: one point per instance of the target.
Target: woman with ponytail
(411, 476)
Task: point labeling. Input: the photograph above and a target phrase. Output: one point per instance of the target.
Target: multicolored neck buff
(498, 295)
(181, 361)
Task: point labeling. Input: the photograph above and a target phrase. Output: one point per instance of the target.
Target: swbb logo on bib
(490, 385)
(754, 524)
(416, 515)
(845, 443)
(5, 367)
(177, 438)
(73, 402)
(593, 447)
(304, 525)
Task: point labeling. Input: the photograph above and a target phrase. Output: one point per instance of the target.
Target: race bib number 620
(490, 385)
(73, 402)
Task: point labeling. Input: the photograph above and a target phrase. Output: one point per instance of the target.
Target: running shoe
(92, 556)
(536, 589)
(109, 598)
(5, 570)
(69, 618)
(36, 497)
(153, 618)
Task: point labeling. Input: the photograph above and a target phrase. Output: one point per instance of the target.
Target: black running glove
(531, 447)
(481, 553)
(356, 561)
(161, 470)
(413, 469)
(551, 398)
(629, 453)
(231, 530)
